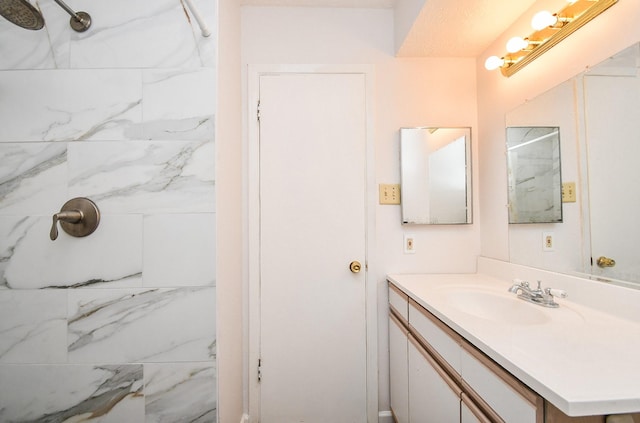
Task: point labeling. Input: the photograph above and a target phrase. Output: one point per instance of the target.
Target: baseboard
(385, 417)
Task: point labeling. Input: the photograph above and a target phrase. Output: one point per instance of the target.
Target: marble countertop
(583, 360)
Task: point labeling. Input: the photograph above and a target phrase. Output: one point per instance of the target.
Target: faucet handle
(78, 217)
(560, 293)
(520, 282)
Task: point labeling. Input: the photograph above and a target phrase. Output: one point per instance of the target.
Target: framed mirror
(533, 166)
(435, 170)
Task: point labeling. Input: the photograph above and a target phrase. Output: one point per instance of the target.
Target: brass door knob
(605, 262)
(355, 266)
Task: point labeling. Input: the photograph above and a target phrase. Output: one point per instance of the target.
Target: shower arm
(80, 21)
(204, 29)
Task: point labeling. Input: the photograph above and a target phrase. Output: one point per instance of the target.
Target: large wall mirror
(597, 113)
(435, 175)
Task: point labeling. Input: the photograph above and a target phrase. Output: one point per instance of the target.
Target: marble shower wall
(118, 326)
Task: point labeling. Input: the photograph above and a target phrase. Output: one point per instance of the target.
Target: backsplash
(120, 325)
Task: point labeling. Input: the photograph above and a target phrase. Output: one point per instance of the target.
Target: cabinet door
(398, 370)
(433, 395)
(470, 413)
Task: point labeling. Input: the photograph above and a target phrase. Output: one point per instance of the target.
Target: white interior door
(312, 135)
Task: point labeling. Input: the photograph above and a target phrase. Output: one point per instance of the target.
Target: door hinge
(259, 369)
(258, 111)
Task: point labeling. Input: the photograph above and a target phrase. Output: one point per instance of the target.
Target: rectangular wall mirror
(533, 165)
(435, 168)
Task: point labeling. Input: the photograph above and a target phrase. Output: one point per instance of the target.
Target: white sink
(496, 306)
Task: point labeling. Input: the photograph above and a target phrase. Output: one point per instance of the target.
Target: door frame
(252, 229)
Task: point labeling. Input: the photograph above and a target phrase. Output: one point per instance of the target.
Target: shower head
(21, 13)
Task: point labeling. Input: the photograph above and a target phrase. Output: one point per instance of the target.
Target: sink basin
(495, 306)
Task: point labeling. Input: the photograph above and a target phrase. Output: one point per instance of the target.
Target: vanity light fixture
(549, 30)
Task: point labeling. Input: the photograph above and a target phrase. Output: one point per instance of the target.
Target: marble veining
(63, 393)
(32, 176)
(184, 392)
(112, 255)
(41, 107)
(140, 325)
(33, 326)
(145, 176)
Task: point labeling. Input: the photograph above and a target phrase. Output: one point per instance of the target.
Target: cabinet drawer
(399, 301)
(431, 331)
(489, 385)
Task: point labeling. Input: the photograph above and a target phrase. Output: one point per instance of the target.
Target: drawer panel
(439, 336)
(504, 394)
(399, 301)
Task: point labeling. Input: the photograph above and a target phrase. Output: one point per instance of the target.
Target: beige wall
(229, 216)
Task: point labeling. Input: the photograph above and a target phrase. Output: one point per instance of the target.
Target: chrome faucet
(543, 297)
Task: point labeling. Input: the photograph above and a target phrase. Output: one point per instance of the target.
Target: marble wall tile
(123, 34)
(145, 176)
(33, 326)
(67, 105)
(123, 114)
(180, 392)
(33, 177)
(111, 256)
(135, 34)
(138, 325)
(178, 103)
(178, 93)
(30, 49)
(70, 393)
(179, 250)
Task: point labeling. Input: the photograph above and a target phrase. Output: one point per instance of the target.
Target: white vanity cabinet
(446, 378)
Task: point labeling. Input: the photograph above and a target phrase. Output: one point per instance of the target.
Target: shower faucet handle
(72, 216)
(78, 217)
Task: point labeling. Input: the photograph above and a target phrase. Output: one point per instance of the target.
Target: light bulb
(493, 63)
(516, 44)
(543, 19)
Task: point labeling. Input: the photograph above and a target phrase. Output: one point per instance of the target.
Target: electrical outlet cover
(548, 241)
(409, 244)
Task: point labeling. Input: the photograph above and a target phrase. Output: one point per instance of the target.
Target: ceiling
(444, 28)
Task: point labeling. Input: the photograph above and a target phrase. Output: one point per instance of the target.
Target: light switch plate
(389, 193)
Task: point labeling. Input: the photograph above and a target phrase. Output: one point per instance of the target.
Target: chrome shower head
(21, 13)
